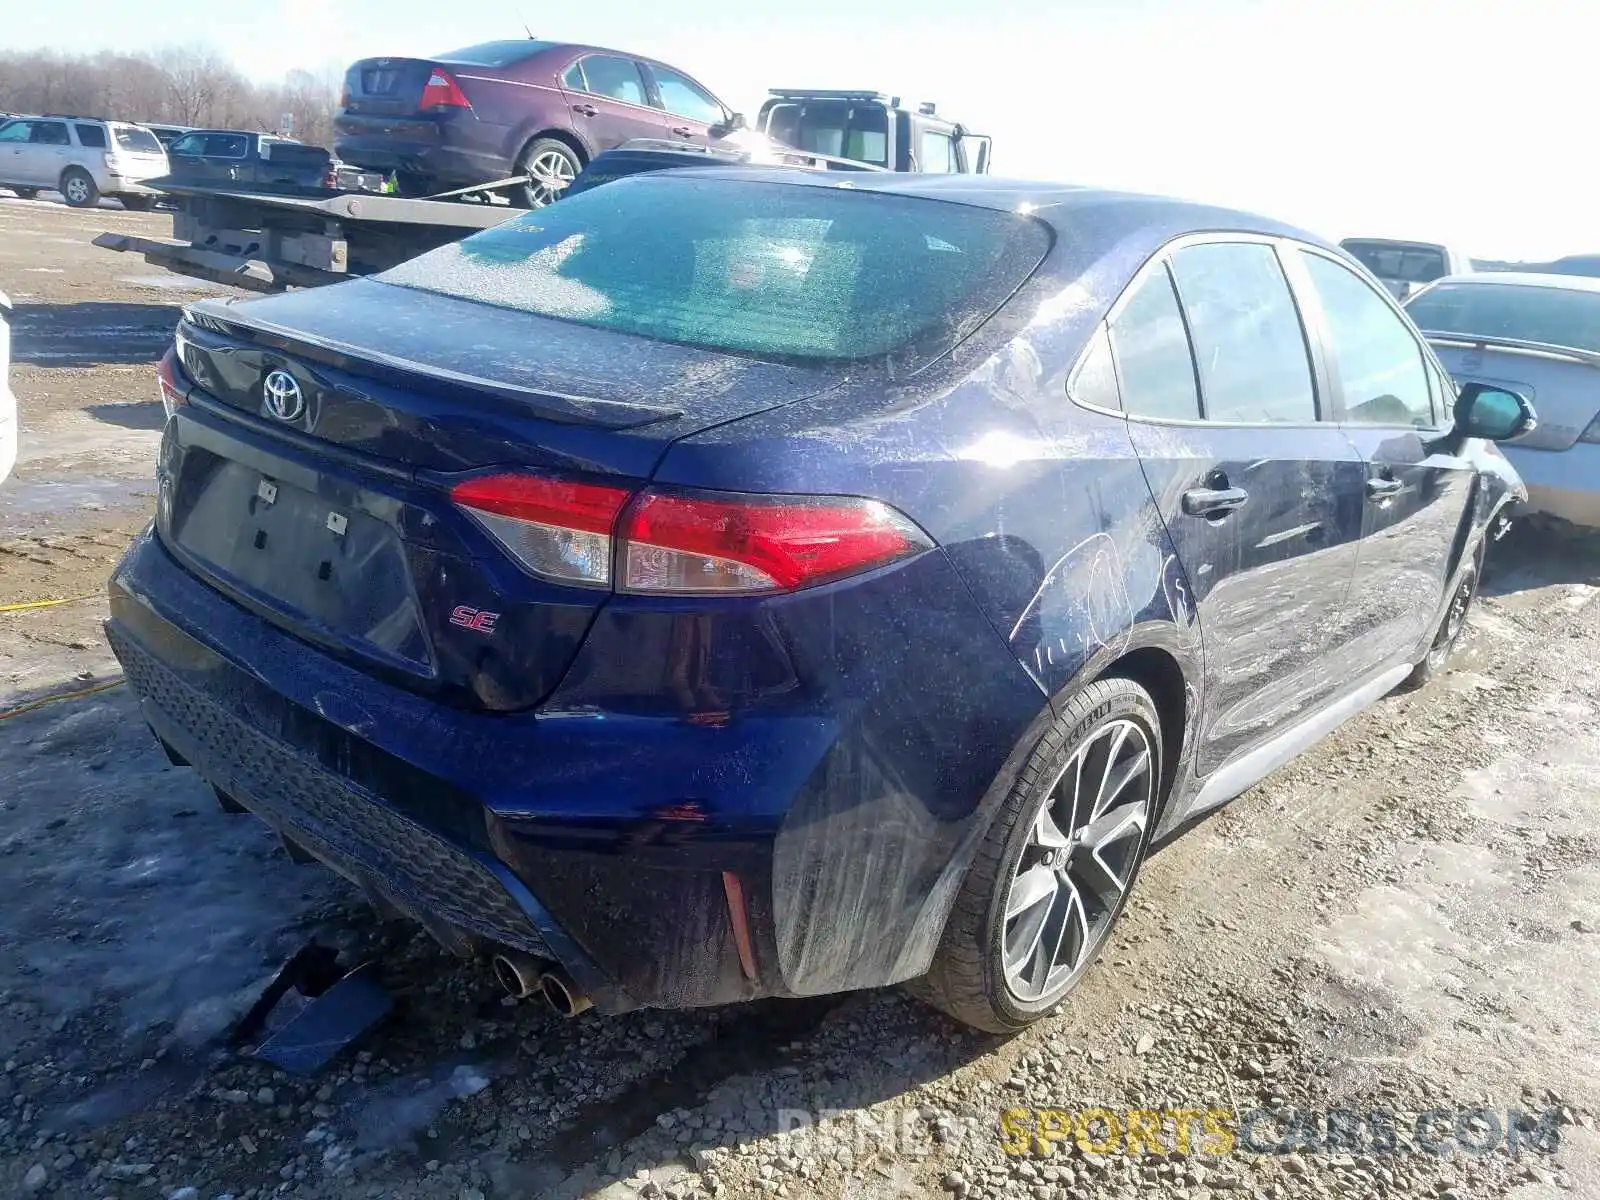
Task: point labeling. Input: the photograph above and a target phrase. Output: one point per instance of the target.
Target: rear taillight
(330, 177)
(344, 96)
(698, 544)
(173, 394)
(554, 528)
(685, 543)
(443, 91)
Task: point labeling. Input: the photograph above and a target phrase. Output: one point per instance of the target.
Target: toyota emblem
(283, 396)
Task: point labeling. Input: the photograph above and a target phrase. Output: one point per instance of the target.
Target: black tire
(23, 193)
(78, 188)
(969, 978)
(138, 203)
(550, 160)
(1437, 660)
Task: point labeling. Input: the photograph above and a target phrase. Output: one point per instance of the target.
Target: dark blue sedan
(740, 583)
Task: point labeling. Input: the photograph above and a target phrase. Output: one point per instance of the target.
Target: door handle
(1213, 503)
(683, 131)
(586, 110)
(1381, 488)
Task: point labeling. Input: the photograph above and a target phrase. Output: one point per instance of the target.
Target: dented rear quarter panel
(1042, 512)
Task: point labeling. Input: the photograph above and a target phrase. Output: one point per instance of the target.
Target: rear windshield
(495, 54)
(130, 137)
(1410, 264)
(837, 128)
(764, 270)
(1554, 316)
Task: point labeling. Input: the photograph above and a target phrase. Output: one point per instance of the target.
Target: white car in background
(8, 402)
(83, 158)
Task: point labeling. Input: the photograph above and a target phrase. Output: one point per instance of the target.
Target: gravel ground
(1405, 920)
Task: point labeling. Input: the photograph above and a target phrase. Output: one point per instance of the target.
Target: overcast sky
(1468, 121)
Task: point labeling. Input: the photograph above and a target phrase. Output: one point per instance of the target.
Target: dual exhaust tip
(522, 975)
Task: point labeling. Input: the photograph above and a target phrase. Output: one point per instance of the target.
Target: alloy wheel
(549, 174)
(77, 190)
(1079, 860)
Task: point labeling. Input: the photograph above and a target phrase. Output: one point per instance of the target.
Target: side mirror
(1494, 413)
(732, 123)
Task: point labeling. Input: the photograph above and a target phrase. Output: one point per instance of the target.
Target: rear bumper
(661, 861)
(447, 150)
(1561, 483)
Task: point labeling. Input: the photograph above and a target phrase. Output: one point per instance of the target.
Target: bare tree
(178, 85)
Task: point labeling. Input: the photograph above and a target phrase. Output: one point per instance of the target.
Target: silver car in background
(1539, 335)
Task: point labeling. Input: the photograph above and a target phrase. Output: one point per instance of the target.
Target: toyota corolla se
(735, 584)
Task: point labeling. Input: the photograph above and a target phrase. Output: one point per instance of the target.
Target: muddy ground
(1405, 919)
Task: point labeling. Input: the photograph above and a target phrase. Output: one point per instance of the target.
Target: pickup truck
(1403, 267)
(873, 128)
(235, 158)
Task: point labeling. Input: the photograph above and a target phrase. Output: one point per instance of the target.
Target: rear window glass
(1554, 316)
(142, 140)
(787, 272)
(495, 54)
(1410, 264)
(837, 128)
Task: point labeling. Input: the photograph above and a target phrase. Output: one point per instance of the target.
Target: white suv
(82, 158)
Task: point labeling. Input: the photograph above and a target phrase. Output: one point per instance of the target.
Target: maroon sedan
(527, 107)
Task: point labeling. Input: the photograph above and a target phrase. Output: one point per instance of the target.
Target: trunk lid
(329, 514)
(1563, 385)
(138, 152)
(386, 87)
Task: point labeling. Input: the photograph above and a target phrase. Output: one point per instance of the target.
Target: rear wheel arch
(1159, 672)
(572, 141)
(1158, 660)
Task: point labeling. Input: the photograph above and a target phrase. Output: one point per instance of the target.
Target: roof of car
(1571, 283)
(1057, 204)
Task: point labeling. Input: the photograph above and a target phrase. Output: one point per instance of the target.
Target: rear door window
(785, 272)
(1251, 350)
(1154, 366)
(618, 78)
(1382, 369)
(51, 133)
(91, 137)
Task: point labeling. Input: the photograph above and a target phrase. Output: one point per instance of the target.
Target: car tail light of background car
(673, 543)
(442, 91)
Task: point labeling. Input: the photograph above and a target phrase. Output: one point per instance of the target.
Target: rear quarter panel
(1043, 512)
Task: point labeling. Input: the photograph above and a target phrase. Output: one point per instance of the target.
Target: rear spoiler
(218, 316)
(1589, 358)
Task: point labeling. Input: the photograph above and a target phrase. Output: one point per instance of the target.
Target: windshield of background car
(1554, 316)
(838, 128)
(495, 54)
(1410, 264)
(779, 271)
(131, 138)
